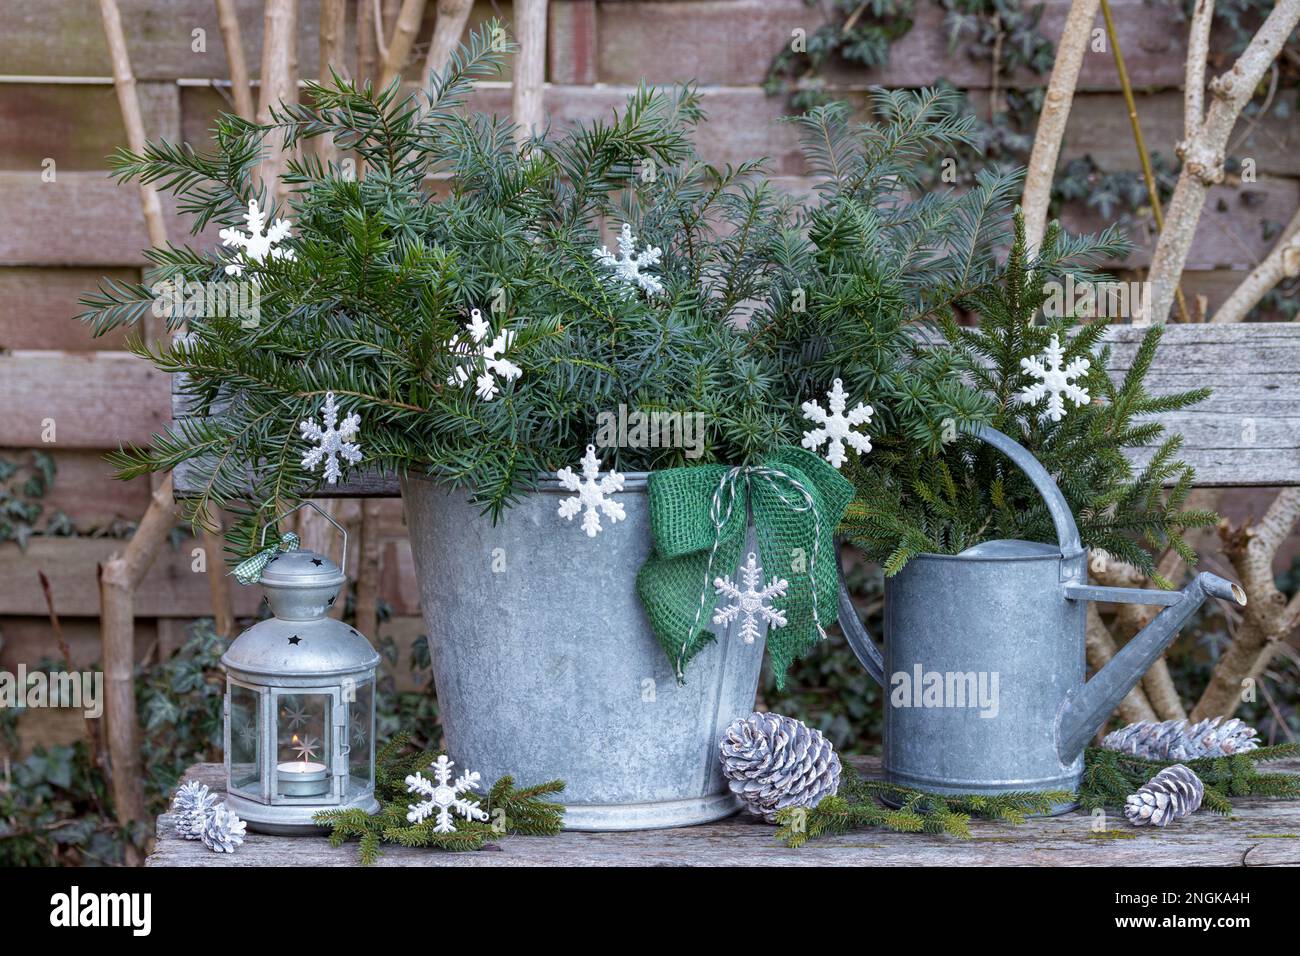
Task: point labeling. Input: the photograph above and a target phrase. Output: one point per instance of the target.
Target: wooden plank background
(59, 114)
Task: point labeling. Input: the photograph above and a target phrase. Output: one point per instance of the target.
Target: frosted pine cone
(1173, 793)
(773, 762)
(1176, 740)
(224, 830)
(192, 806)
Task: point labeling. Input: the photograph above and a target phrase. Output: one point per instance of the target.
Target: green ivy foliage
(22, 486)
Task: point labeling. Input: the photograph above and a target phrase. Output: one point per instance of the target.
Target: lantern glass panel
(304, 751)
(361, 727)
(245, 740)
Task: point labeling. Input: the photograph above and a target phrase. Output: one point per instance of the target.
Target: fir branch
(873, 804)
(1110, 776)
(511, 810)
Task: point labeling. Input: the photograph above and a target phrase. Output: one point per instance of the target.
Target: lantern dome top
(306, 650)
(301, 569)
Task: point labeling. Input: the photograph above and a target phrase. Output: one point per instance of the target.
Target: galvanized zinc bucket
(545, 665)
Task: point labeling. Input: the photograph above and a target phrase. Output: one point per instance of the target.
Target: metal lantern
(300, 699)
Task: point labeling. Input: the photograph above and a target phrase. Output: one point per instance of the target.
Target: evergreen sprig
(510, 809)
(385, 272)
(861, 804)
(968, 492)
(1109, 776)
(863, 267)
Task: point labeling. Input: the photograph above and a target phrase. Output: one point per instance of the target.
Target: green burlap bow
(249, 571)
(699, 518)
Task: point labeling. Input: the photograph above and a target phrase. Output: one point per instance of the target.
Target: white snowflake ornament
(1054, 381)
(442, 797)
(335, 440)
(489, 357)
(752, 603)
(835, 427)
(627, 264)
(260, 241)
(594, 494)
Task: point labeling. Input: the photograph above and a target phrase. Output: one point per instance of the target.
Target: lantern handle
(343, 558)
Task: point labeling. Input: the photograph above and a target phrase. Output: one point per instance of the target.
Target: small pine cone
(1173, 793)
(773, 762)
(224, 830)
(1176, 740)
(192, 806)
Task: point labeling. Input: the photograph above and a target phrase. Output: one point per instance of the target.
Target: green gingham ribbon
(250, 570)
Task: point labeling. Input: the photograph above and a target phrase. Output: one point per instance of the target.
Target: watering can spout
(1086, 707)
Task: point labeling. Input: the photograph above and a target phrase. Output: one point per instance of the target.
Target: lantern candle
(302, 778)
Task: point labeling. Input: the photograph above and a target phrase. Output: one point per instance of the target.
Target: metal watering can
(983, 666)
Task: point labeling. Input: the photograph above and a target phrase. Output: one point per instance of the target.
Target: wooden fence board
(85, 489)
(1230, 234)
(170, 589)
(81, 219)
(77, 125)
(95, 399)
(732, 42)
(28, 640)
(1099, 127)
(724, 42)
(65, 37)
(37, 306)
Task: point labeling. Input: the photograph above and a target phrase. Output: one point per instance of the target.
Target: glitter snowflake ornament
(489, 357)
(335, 440)
(1054, 381)
(260, 242)
(753, 603)
(836, 428)
(627, 263)
(442, 797)
(593, 494)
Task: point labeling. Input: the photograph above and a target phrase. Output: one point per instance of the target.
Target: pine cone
(224, 830)
(1173, 793)
(192, 806)
(773, 762)
(1175, 740)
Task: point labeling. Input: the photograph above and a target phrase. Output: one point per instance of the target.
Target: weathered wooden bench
(1259, 833)
(1246, 433)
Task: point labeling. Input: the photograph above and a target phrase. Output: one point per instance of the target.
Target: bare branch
(1203, 153)
(447, 30)
(279, 77)
(1282, 262)
(1054, 117)
(1198, 58)
(1267, 619)
(403, 38)
(530, 66)
(240, 86)
(1100, 648)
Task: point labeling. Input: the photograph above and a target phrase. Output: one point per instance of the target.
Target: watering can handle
(864, 648)
(1067, 533)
